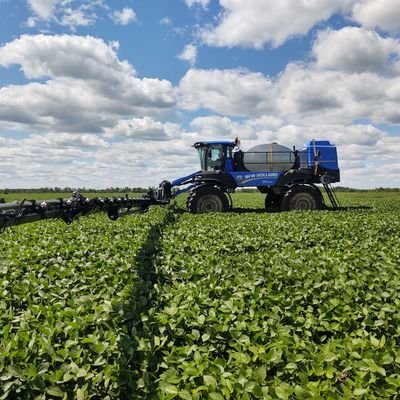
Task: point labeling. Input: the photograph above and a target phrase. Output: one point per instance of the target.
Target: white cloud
(189, 54)
(383, 14)
(357, 50)
(302, 93)
(232, 92)
(64, 140)
(203, 3)
(144, 128)
(305, 93)
(44, 9)
(124, 16)
(74, 18)
(166, 21)
(267, 129)
(70, 56)
(214, 127)
(31, 22)
(263, 129)
(89, 87)
(63, 159)
(69, 13)
(339, 134)
(254, 23)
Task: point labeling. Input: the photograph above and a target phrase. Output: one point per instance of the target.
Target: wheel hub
(209, 205)
(303, 204)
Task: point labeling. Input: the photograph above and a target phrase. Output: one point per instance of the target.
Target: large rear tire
(302, 197)
(207, 200)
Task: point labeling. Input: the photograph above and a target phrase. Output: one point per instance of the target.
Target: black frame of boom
(68, 210)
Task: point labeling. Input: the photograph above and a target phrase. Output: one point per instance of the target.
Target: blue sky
(98, 93)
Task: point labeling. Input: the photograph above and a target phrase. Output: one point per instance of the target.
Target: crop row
(299, 305)
(67, 296)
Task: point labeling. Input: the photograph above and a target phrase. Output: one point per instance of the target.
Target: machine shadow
(139, 361)
(350, 208)
(244, 210)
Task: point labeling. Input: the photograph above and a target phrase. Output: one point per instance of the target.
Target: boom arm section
(68, 210)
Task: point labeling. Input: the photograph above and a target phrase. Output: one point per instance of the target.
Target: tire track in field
(140, 362)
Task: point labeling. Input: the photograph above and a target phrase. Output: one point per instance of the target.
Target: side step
(332, 195)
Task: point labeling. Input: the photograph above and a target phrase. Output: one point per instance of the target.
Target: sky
(102, 93)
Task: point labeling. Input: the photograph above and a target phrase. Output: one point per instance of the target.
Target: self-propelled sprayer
(288, 178)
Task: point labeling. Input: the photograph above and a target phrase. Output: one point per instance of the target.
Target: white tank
(268, 157)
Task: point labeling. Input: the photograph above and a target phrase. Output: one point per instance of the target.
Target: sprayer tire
(206, 200)
(302, 197)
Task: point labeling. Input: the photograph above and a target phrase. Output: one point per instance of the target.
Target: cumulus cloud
(69, 13)
(263, 129)
(301, 93)
(124, 16)
(89, 87)
(357, 50)
(315, 95)
(44, 9)
(254, 23)
(238, 91)
(268, 129)
(214, 127)
(30, 22)
(189, 54)
(144, 128)
(74, 18)
(64, 140)
(383, 14)
(63, 159)
(78, 57)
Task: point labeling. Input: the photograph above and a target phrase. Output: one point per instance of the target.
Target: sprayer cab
(215, 155)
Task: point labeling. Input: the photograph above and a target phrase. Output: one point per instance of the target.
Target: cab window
(215, 158)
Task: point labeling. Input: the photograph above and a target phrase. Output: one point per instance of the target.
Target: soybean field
(240, 305)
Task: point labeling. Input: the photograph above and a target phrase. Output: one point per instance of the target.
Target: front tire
(273, 200)
(302, 197)
(207, 200)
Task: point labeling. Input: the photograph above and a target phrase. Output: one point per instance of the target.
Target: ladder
(332, 195)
